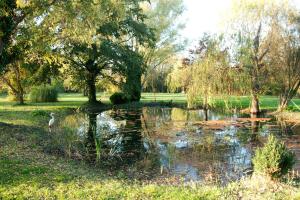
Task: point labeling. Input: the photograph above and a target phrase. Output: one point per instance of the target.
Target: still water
(191, 145)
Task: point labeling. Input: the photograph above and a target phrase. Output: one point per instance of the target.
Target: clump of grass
(65, 139)
(43, 94)
(274, 159)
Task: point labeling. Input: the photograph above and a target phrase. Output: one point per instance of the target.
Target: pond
(157, 143)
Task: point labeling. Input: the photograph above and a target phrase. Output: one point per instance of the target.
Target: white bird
(51, 122)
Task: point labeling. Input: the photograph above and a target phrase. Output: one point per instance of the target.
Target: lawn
(29, 170)
(74, 100)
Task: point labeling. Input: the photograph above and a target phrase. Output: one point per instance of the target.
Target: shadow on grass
(23, 159)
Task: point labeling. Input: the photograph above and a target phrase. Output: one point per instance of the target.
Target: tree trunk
(287, 96)
(91, 85)
(205, 114)
(283, 102)
(254, 104)
(1, 46)
(18, 92)
(85, 91)
(20, 97)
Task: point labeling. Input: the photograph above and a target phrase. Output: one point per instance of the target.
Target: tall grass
(43, 94)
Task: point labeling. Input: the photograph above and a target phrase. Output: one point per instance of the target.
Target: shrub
(58, 85)
(118, 98)
(274, 159)
(3, 91)
(43, 94)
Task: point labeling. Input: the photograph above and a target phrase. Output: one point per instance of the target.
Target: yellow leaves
(258, 8)
(23, 3)
(145, 6)
(48, 59)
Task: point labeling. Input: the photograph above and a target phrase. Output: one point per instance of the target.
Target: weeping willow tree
(180, 77)
(210, 71)
(284, 57)
(252, 22)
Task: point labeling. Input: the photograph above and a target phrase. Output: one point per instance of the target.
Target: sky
(203, 16)
(206, 16)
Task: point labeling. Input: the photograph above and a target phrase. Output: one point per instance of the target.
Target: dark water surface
(167, 142)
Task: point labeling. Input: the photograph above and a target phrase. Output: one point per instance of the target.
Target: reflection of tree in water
(156, 115)
(131, 147)
(90, 143)
(178, 114)
(126, 142)
(255, 129)
(220, 156)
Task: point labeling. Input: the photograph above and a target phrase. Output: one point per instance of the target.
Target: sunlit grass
(75, 100)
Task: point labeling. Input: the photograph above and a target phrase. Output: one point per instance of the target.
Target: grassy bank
(30, 170)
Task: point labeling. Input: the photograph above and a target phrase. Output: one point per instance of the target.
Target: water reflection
(91, 143)
(177, 142)
(114, 135)
(131, 144)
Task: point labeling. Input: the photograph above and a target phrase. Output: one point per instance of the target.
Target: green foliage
(211, 74)
(7, 26)
(164, 17)
(58, 85)
(180, 77)
(107, 43)
(3, 92)
(43, 94)
(274, 159)
(118, 98)
(39, 113)
(133, 88)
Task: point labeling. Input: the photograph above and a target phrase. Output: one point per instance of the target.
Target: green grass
(29, 171)
(74, 100)
(266, 102)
